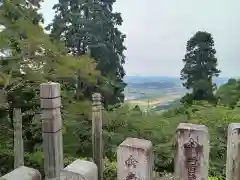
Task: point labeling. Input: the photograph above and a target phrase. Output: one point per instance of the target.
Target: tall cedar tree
(200, 68)
(90, 26)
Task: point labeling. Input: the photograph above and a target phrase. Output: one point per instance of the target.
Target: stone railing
(134, 156)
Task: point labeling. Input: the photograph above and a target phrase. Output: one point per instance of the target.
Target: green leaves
(200, 66)
(32, 58)
(91, 25)
(228, 93)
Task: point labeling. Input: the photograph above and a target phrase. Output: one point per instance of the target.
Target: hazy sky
(157, 32)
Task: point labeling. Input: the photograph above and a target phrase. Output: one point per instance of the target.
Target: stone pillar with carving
(192, 152)
(135, 160)
(233, 152)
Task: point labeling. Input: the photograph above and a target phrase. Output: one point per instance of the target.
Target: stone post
(135, 160)
(23, 173)
(97, 144)
(18, 139)
(51, 129)
(80, 170)
(192, 152)
(233, 152)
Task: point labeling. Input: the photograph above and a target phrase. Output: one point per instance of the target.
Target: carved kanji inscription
(193, 151)
(132, 176)
(131, 162)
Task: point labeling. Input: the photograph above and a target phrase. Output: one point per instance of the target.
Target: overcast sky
(157, 32)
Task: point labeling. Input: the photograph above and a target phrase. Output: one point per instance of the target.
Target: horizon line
(175, 76)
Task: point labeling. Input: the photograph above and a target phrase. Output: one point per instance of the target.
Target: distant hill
(151, 87)
(148, 79)
(141, 79)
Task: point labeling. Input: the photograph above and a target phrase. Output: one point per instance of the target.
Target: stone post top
(233, 126)
(49, 83)
(192, 127)
(82, 167)
(23, 173)
(50, 90)
(137, 143)
(96, 98)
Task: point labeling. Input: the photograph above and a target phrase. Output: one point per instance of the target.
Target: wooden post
(51, 129)
(233, 152)
(97, 144)
(192, 153)
(18, 139)
(135, 160)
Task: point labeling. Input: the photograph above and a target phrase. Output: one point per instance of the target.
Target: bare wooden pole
(18, 139)
(97, 143)
(51, 129)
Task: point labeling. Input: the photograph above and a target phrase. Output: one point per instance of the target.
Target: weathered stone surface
(53, 154)
(192, 152)
(49, 90)
(49, 114)
(18, 139)
(135, 159)
(96, 97)
(51, 103)
(80, 170)
(233, 152)
(51, 129)
(97, 144)
(22, 173)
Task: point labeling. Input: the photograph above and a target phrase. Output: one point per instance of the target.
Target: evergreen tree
(200, 67)
(90, 26)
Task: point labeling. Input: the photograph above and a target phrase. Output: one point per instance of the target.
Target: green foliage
(200, 67)
(90, 27)
(216, 178)
(32, 57)
(160, 129)
(110, 170)
(228, 93)
(121, 123)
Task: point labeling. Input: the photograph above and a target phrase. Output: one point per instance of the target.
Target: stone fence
(134, 156)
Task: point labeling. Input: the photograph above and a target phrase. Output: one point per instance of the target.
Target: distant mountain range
(141, 79)
(160, 79)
